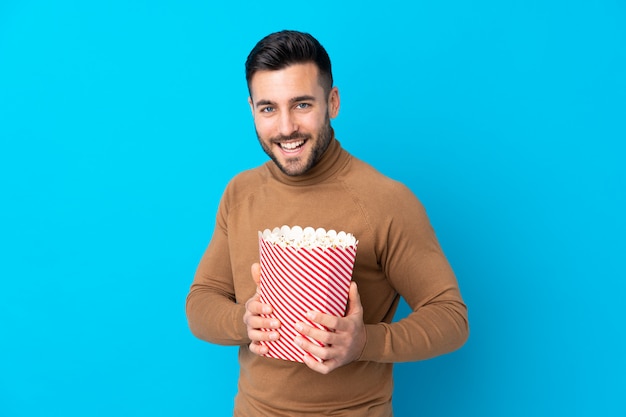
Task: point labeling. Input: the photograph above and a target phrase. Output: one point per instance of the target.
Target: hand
(342, 344)
(255, 322)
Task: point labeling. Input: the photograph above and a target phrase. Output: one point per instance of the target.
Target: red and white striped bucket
(296, 280)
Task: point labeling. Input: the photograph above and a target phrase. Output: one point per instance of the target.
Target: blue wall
(122, 121)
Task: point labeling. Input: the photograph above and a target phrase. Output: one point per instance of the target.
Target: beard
(297, 166)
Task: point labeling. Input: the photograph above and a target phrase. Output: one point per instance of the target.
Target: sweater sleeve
(212, 310)
(416, 267)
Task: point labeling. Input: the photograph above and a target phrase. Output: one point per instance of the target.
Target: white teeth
(291, 145)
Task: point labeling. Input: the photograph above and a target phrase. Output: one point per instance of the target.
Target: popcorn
(308, 237)
(303, 270)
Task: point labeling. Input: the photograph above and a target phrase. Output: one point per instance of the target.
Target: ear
(333, 103)
(251, 106)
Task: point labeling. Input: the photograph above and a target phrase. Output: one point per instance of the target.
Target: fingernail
(274, 323)
(310, 315)
(267, 310)
(297, 341)
(274, 335)
(299, 327)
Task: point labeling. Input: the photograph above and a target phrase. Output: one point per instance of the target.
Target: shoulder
(243, 186)
(375, 188)
(248, 180)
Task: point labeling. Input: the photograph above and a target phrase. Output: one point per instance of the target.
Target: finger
(327, 320)
(258, 348)
(256, 335)
(322, 352)
(256, 307)
(258, 322)
(324, 367)
(255, 269)
(354, 300)
(322, 336)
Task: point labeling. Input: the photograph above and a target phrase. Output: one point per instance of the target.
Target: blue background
(122, 121)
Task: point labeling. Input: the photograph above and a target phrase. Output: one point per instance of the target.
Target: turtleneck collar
(333, 159)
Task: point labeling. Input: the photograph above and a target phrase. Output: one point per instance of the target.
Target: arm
(223, 293)
(212, 311)
(415, 266)
(433, 329)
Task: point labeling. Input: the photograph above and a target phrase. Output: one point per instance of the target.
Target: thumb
(354, 300)
(256, 273)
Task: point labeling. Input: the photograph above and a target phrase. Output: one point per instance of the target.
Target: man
(312, 181)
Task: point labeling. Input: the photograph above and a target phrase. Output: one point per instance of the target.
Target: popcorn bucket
(303, 270)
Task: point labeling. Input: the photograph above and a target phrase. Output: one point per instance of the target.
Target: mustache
(293, 136)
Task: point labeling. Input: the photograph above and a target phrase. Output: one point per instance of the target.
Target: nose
(287, 124)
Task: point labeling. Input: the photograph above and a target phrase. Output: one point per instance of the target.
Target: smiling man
(312, 181)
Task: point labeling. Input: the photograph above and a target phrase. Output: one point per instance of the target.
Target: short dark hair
(281, 49)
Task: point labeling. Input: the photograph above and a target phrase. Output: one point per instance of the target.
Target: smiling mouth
(291, 146)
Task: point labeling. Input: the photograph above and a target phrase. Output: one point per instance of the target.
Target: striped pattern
(296, 281)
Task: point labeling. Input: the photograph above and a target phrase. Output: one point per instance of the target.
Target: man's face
(292, 116)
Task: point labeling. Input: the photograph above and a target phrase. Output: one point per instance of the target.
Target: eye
(303, 106)
(267, 109)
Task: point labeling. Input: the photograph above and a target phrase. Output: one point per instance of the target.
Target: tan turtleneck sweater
(398, 255)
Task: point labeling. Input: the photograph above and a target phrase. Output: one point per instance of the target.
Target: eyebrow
(292, 100)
